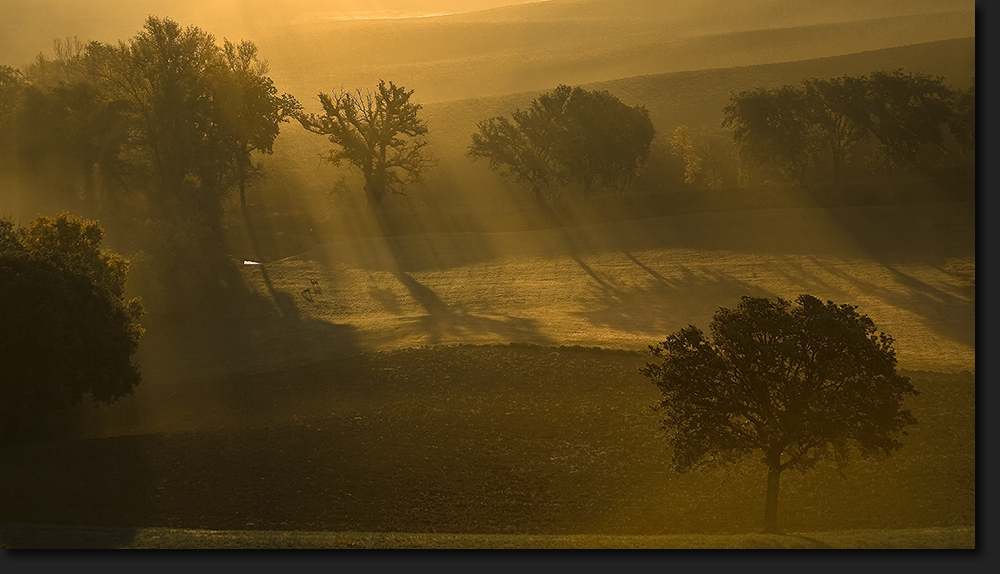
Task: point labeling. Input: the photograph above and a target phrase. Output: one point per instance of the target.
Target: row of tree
(790, 128)
(158, 130)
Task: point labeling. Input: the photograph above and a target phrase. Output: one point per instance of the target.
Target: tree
(703, 160)
(68, 329)
(377, 132)
(72, 136)
(682, 145)
(251, 111)
(906, 112)
(568, 135)
(771, 128)
(513, 153)
(797, 384)
(833, 108)
(164, 74)
(12, 85)
(963, 118)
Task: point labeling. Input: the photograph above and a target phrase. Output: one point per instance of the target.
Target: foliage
(833, 112)
(567, 135)
(198, 111)
(699, 159)
(787, 128)
(378, 132)
(251, 111)
(963, 119)
(11, 85)
(512, 152)
(797, 384)
(72, 136)
(905, 111)
(770, 127)
(682, 145)
(68, 329)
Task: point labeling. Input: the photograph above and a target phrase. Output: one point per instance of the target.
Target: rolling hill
(516, 48)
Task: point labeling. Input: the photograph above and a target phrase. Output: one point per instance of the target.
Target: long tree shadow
(242, 330)
(663, 304)
(441, 319)
(945, 312)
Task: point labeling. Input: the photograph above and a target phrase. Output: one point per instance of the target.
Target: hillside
(446, 58)
(299, 181)
(530, 46)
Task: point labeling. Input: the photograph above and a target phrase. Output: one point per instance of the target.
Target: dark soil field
(471, 439)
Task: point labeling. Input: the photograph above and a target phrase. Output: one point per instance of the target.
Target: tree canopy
(770, 128)
(794, 383)
(790, 128)
(67, 327)
(567, 135)
(377, 132)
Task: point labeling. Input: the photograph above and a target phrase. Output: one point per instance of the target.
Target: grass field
(623, 284)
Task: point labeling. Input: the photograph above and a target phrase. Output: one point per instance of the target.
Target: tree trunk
(771, 502)
(374, 196)
(837, 161)
(537, 194)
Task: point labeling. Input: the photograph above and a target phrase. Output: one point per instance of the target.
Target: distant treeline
(904, 120)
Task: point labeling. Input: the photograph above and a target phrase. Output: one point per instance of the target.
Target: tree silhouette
(12, 84)
(963, 118)
(701, 162)
(512, 152)
(834, 106)
(251, 111)
(905, 111)
(567, 135)
(72, 139)
(797, 384)
(67, 328)
(771, 127)
(378, 132)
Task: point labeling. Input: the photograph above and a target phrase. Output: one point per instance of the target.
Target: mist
(477, 320)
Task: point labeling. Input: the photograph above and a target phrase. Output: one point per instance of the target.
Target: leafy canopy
(67, 327)
(567, 135)
(787, 128)
(803, 382)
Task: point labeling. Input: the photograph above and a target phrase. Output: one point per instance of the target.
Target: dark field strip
(47, 536)
(473, 440)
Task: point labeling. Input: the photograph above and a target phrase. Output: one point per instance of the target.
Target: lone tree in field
(567, 135)
(377, 132)
(66, 327)
(794, 383)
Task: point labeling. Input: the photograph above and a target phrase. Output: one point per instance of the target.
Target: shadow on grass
(944, 311)
(441, 318)
(663, 305)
